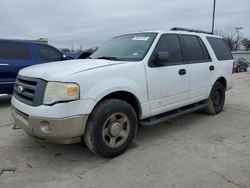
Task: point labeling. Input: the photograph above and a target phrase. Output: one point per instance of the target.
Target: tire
(111, 128)
(216, 99)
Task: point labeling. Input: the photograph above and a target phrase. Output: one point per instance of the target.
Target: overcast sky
(92, 22)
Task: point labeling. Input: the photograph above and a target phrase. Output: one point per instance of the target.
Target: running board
(172, 114)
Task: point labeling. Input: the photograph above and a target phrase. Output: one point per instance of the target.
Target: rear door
(200, 66)
(168, 85)
(13, 57)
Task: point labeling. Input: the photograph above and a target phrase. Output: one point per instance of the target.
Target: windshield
(132, 47)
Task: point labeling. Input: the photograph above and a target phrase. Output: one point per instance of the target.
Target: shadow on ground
(5, 100)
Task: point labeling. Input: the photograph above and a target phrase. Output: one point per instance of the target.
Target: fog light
(45, 127)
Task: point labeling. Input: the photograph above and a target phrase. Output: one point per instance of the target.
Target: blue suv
(17, 54)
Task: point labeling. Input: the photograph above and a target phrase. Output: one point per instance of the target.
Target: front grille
(29, 90)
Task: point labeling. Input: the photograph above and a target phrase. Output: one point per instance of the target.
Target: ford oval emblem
(20, 89)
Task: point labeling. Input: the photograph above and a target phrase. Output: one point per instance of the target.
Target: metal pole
(213, 17)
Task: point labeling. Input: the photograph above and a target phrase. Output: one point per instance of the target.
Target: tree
(91, 50)
(65, 50)
(246, 43)
(231, 38)
(88, 52)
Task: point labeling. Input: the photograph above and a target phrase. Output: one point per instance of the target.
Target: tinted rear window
(220, 48)
(12, 50)
(194, 48)
(206, 56)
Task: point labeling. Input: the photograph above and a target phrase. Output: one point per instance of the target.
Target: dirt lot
(194, 150)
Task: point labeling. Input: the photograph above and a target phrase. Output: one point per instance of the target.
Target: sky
(90, 23)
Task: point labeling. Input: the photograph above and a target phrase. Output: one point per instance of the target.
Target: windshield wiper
(109, 58)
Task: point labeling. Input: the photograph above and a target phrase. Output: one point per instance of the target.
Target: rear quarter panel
(222, 68)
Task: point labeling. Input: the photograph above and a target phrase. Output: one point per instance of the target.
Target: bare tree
(91, 50)
(246, 43)
(233, 41)
(65, 49)
(88, 52)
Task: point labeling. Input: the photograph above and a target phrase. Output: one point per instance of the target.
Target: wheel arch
(223, 81)
(127, 97)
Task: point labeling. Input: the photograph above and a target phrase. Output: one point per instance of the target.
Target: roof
(23, 40)
(185, 32)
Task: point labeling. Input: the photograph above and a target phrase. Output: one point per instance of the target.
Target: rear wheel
(111, 128)
(216, 99)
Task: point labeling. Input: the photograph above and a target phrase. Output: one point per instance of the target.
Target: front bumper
(65, 130)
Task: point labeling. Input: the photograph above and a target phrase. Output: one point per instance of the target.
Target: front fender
(98, 91)
(103, 88)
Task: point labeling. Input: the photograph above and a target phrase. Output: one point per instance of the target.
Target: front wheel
(216, 99)
(111, 128)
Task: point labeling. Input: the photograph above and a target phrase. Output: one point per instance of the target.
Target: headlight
(58, 92)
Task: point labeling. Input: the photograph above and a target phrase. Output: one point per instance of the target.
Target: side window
(220, 48)
(171, 44)
(194, 48)
(48, 54)
(206, 55)
(14, 51)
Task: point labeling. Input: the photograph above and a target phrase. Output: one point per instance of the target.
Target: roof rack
(189, 30)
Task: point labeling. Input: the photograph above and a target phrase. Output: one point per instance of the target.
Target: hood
(62, 69)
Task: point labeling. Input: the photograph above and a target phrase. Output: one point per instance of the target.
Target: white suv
(141, 78)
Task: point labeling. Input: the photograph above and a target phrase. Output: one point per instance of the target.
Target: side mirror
(161, 58)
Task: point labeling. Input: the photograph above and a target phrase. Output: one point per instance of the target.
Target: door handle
(211, 68)
(4, 64)
(182, 71)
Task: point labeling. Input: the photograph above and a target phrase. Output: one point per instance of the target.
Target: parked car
(141, 78)
(79, 54)
(240, 64)
(18, 54)
(73, 55)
